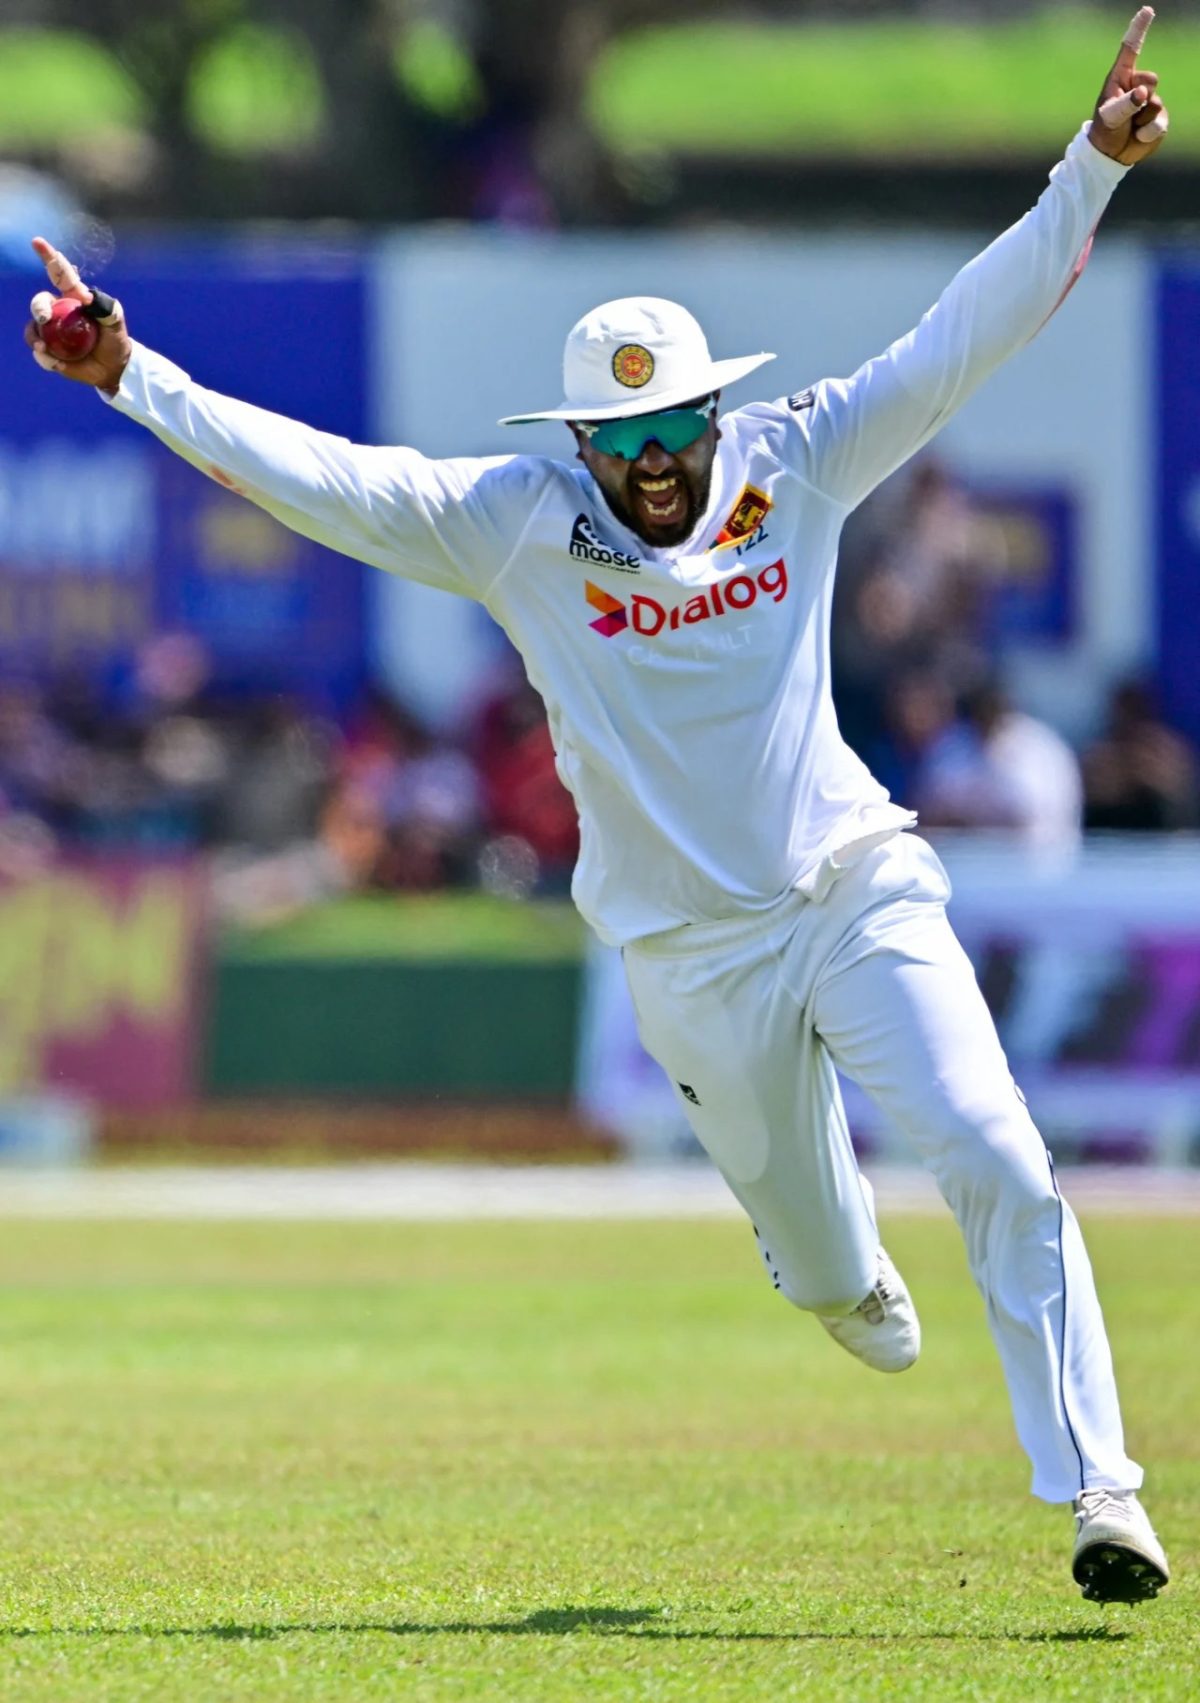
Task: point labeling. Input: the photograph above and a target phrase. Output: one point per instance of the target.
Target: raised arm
(858, 430)
(451, 524)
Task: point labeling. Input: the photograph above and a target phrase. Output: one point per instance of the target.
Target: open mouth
(662, 501)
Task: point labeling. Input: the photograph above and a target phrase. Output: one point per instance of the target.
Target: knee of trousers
(997, 1161)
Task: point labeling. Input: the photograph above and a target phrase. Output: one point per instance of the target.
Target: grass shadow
(1080, 1635)
(567, 1621)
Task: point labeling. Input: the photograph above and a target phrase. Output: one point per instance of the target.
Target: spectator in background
(279, 768)
(919, 711)
(913, 566)
(379, 740)
(876, 636)
(930, 534)
(427, 791)
(999, 769)
(342, 856)
(432, 812)
(1140, 775)
(39, 761)
(186, 750)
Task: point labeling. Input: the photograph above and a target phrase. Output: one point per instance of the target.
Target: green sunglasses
(674, 429)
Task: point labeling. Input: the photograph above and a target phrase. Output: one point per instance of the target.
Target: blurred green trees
(362, 109)
(534, 111)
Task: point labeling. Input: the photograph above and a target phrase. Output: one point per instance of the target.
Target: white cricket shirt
(688, 689)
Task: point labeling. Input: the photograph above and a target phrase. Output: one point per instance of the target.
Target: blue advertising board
(106, 538)
(1177, 389)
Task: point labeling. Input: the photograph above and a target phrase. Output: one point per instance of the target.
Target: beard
(632, 508)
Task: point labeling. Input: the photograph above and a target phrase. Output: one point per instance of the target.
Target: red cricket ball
(69, 335)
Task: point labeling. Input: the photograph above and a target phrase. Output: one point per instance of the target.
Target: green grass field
(549, 1462)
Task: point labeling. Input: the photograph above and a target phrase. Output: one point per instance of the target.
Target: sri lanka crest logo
(633, 366)
(747, 515)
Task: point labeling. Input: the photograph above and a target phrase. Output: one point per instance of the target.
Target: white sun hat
(635, 356)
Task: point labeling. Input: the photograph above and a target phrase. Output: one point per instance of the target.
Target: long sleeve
(856, 431)
(449, 523)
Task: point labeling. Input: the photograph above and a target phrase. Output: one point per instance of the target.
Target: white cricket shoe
(1117, 1557)
(883, 1330)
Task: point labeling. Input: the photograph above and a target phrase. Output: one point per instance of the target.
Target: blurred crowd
(919, 680)
(296, 807)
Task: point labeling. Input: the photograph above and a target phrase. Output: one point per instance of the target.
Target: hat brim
(713, 377)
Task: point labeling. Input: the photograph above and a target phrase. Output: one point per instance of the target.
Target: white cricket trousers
(749, 1017)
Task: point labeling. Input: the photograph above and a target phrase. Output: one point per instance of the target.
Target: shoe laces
(873, 1307)
(1089, 1503)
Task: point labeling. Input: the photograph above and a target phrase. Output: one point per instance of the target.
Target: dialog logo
(613, 615)
(648, 617)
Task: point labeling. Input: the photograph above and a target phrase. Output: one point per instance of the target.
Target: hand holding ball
(68, 333)
(80, 331)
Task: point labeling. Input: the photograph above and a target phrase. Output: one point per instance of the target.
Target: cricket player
(669, 589)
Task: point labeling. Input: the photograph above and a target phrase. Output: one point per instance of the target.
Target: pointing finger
(1134, 39)
(62, 273)
(1117, 112)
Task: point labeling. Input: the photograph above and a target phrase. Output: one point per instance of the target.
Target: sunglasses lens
(674, 429)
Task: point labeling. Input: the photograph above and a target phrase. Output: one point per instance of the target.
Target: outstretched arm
(862, 428)
(451, 524)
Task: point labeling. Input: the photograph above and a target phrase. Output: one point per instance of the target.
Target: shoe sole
(1111, 1572)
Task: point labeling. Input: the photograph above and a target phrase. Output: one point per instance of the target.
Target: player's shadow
(650, 1622)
